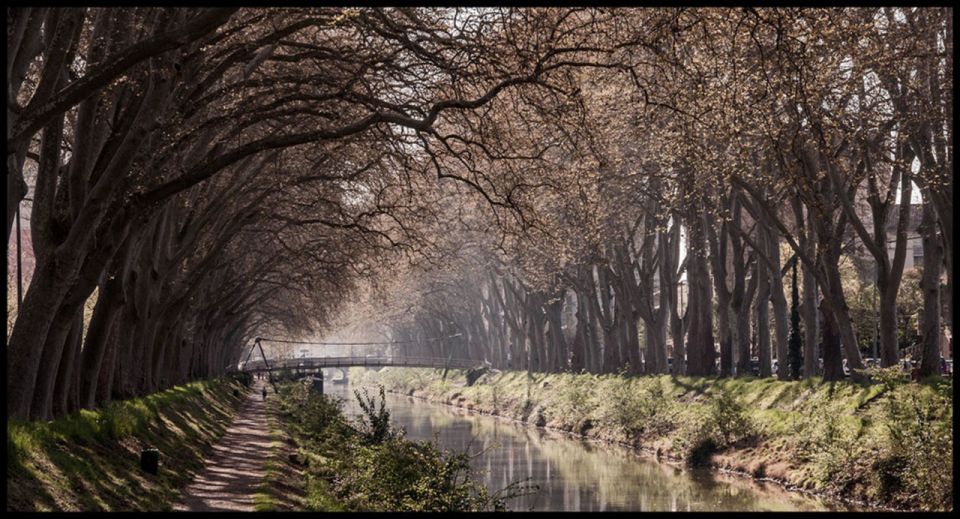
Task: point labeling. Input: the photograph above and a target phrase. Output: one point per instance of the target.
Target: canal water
(576, 475)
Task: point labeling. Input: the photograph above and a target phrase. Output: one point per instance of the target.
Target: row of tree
(200, 177)
(749, 145)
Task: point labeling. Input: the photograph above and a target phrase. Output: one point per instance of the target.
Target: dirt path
(235, 469)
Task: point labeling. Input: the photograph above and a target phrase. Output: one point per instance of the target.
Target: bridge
(308, 363)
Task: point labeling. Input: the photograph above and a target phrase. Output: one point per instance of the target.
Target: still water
(574, 474)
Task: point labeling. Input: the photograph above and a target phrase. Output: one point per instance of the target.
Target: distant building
(865, 262)
(914, 245)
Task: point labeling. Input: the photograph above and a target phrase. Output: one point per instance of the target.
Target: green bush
(313, 413)
(375, 422)
(918, 458)
(637, 411)
(399, 475)
(830, 443)
(704, 430)
(728, 420)
(574, 398)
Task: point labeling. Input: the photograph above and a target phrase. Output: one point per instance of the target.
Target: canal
(577, 475)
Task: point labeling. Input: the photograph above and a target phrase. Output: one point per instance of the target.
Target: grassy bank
(369, 466)
(282, 489)
(888, 444)
(90, 461)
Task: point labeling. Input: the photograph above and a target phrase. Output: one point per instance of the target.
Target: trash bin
(150, 460)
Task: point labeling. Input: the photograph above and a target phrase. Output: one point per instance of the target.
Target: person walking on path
(264, 392)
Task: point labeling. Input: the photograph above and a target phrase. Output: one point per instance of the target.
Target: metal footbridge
(309, 363)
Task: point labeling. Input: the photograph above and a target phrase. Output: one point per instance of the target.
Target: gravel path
(235, 469)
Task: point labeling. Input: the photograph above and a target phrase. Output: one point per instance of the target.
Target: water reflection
(578, 475)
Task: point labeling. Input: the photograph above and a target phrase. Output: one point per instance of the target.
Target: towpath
(236, 468)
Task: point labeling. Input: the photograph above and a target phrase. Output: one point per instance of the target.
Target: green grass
(263, 500)
(282, 488)
(89, 461)
(889, 442)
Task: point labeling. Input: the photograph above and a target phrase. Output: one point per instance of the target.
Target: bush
(375, 422)
(399, 475)
(574, 398)
(313, 413)
(831, 444)
(918, 458)
(721, 424)
(729, 420)
(636, 411)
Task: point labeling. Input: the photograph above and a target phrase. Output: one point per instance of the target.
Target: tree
(795, 342)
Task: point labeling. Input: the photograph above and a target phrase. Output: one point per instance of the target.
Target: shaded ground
(236, 468)
(89, 461)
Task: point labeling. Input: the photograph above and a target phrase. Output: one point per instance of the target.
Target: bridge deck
(342, 362)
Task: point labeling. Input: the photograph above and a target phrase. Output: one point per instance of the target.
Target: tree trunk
(930, 285)
(25, 348)
(108, 307)
(763, 320)
(700, 346)
(743, 326)
(779, 302)
(811, 324)
(63, 387)
(832, 356)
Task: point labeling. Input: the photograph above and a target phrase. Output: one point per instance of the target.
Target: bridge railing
(335, 362)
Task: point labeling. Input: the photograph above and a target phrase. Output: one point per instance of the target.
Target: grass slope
(888, 443)
(90, 461)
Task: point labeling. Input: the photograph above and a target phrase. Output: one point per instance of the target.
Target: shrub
(574, 397)
(313, 413)
(830, 444)
(720, 424)
(729, 420)
(635, 411)
(399, 475)
(375, 422)
(919, 452)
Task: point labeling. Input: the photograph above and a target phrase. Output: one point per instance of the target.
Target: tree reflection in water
(574, 474)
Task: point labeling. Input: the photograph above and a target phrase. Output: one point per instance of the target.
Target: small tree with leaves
(375, 422)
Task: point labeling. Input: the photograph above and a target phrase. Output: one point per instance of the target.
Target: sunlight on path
(236, 467)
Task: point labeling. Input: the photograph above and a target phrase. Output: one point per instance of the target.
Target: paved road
(236, 467)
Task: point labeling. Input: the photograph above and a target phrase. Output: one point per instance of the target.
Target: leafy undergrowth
(888, 443)
(90, 461)
(370, 466)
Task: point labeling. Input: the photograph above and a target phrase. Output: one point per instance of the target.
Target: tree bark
(763, 320)
(930, 285)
